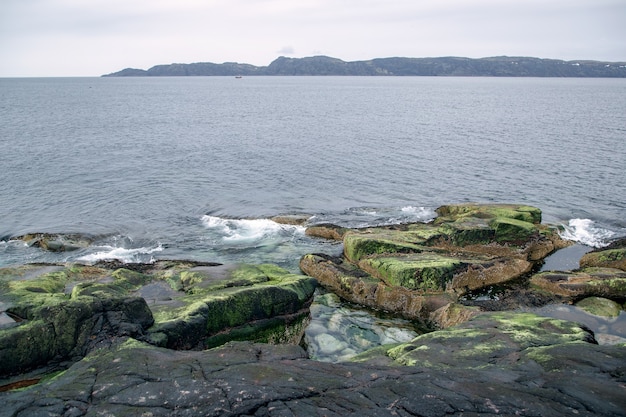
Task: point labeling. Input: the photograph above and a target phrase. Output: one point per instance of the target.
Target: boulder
(600, 306)
(614, 257)
(57, 242)
(586, 282)
(59, 312)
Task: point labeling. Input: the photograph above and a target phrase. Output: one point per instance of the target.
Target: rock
(62, 311)
(291, 219)
(486, 340)
(415, 269)
(600, 306)
(510, 211)
(607, 258)
(356, 286)
(57, 242)
(326, 231)
(338, 331)
(453, 314)
(247, 302)
(587, 282)
(519, 373)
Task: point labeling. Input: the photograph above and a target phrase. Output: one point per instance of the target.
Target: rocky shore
(178, 338)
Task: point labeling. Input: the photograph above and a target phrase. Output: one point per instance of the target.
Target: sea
(197, 167)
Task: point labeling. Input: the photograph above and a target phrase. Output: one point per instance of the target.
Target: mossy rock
(248, 297)
(609, 258)
(513, 230)
(600, 306)
(466, 231)
(359, 244)
(326, 231)
(357, 286)
(600, 282)
(510, 211)
(56, 242)
(60, 311)
(487, 340)
(424, 271)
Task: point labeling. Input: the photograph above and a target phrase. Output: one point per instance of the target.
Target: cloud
(42, 37)
(286, 50)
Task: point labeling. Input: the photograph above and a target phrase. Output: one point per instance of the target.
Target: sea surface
(196, 167)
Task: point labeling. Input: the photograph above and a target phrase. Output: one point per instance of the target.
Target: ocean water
(195, 167)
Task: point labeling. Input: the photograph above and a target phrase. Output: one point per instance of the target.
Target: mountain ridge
(321, 65)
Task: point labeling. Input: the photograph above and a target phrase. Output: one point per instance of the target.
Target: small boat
(237, 76)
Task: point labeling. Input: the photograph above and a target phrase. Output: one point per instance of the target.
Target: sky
(49, 38)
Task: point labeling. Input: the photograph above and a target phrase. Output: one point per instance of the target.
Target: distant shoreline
(501, 66)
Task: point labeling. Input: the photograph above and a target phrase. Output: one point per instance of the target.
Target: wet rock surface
(526, 376)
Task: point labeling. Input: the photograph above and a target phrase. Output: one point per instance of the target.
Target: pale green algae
(600, 306)
(425, 271)
(486, 340)
(60, 306)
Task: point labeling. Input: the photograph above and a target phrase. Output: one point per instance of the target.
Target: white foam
(122, 254)
(247, 230)
(421, 213)
(585, 231)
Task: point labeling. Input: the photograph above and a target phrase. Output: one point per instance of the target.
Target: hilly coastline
(502, 66)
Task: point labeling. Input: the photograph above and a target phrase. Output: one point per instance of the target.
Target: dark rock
(57, 242)
(528, 374)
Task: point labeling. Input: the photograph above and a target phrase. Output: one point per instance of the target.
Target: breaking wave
(126, 255)
(586, 232)
(250, 230)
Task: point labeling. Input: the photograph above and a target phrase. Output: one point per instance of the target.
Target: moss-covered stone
(53, 242)
(513, 230)
(425, 271)
(358, 245)
(487, 340)
(609, 258)
(587, 282)
(61, 310)
(357, 286)
(600, 306)
(248, 297)
(510, 211)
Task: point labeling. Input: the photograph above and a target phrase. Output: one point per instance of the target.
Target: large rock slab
(486, 340)
(59, 312)
(523, 373)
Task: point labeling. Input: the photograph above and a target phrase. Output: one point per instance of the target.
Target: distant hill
(501, 66)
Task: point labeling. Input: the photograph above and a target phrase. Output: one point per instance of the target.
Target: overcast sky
(94, 37)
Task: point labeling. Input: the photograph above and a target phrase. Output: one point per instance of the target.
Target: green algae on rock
(418, 265)
(586, 282)
(488, 339)
(600, 306)
(61, 311)
(606, 258)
